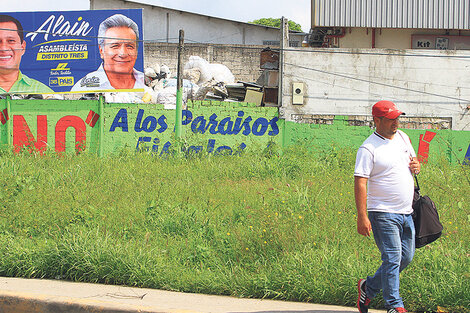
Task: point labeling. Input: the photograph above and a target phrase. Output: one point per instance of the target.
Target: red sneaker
(362, 300)
(397, 310)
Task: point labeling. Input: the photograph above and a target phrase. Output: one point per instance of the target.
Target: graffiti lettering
(150, 123)
(466, 160)
(227, 127)
(80, 133)
(120, 120)
(22, 135)
(423, 148)
(199, 124)
(143, 145)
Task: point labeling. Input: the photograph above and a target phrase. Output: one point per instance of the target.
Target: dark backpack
(426, 219)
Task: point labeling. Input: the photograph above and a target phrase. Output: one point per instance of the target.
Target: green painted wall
(454, 145)
(207, 126)
(213, 127)
(36, 112)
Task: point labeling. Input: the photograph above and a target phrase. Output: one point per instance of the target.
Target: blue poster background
(62, 46)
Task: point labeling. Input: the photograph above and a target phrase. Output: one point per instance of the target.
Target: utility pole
(284, 43)
(179, 87)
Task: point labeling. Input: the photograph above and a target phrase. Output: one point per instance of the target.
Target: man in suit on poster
(118, 38)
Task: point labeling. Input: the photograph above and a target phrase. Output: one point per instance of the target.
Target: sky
(239, 10)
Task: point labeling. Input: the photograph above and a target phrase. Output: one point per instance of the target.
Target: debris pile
(201, 81)
(206, 72)
(211, 78)
(216, 82)
(162, 87)
(269, 78)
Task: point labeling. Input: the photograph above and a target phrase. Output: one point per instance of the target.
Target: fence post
(10, 118)
(179, 88)
(284, 44)
(101, 141)
(284, 133)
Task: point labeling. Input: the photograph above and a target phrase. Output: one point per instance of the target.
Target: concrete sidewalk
(51, 296)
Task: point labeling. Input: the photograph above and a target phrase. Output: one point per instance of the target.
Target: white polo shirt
(385, 163)
(98, 80)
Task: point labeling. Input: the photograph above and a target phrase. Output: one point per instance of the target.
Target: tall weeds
(276, 224)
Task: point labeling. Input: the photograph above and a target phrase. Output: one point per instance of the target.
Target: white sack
(221, 73)
(150, 72)
(202, 65)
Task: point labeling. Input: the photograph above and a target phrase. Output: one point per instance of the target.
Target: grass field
(256, 225)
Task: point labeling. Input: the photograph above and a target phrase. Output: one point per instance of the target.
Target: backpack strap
(417, 184)
(414, 174)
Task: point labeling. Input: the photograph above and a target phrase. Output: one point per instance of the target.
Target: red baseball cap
(386, 109)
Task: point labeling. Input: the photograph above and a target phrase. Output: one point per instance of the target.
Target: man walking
(383, 189)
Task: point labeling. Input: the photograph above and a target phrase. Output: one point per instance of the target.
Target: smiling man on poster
(118, 38)
(12, 48)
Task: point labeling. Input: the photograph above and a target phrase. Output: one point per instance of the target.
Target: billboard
(71, 51)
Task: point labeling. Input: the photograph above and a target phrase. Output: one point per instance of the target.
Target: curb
(15, 302)
(19, 295)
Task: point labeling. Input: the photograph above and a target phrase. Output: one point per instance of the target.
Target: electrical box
(298, 90)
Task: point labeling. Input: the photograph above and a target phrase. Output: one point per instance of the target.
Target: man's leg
(407, 242)
(388, 231)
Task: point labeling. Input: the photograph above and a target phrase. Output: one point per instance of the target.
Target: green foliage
(276, 22)
(277, 224)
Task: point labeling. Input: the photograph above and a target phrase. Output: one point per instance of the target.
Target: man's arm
(415, 166)
(360, 193)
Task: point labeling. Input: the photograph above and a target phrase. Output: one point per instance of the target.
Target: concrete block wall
(242, 60)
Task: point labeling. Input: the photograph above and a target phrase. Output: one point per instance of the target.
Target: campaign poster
(71, 51)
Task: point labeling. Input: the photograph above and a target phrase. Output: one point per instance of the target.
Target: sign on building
(440, 42)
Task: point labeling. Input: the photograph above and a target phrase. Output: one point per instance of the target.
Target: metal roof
(140, 2)
(418, 14)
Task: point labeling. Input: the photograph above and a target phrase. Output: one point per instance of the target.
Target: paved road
(51, 296)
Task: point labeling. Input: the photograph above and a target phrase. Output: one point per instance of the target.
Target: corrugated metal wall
(437, 14)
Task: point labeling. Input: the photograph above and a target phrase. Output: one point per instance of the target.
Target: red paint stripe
(4, 116)
(423, 150)
(428, 136)
(424, 144)
(95, 119)
(89, 117)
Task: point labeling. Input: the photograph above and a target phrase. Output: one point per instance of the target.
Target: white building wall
(388, 38)
(163, 25)
(423, 83)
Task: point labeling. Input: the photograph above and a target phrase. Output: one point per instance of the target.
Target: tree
(276, 22)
